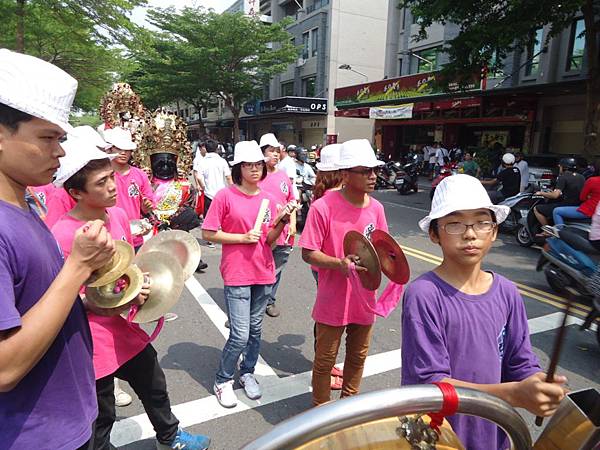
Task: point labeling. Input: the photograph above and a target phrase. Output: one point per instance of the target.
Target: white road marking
(275, 389)
(404, 206)
(218, 318)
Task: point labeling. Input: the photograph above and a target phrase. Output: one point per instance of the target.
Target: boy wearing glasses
(466, 326)
(337, 308)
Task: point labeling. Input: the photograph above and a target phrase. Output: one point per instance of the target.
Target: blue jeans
(246, 307)
(566, 212)
(281, 254)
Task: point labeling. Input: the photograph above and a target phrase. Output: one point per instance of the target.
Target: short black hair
(11, 118)
(433, 225)
(79, 179)
(236, 173)
(211, 146)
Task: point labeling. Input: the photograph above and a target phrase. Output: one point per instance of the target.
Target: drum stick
(558, 343)
(261, 214)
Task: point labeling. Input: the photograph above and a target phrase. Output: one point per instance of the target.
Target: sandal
(335, 372)
(336, 383)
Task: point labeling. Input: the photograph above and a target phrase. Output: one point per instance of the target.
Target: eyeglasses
(251, 165)
(485, 226)
(365, 172)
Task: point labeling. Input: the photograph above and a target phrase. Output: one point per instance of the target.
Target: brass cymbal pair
(381, 253)
(169, 258)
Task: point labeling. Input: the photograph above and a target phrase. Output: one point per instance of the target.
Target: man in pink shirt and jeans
(337, 307)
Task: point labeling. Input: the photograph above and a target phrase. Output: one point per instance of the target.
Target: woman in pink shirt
(121, 349)
(247, 265)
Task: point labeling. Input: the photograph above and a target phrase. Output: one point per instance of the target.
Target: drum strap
(449, 405)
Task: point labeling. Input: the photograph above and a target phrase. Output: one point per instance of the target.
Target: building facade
(535, 102)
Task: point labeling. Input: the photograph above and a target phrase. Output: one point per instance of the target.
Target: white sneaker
(225, 394)
(122, 398)
(251, 387)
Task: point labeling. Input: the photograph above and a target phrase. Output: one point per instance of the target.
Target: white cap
(357, 152)
(89, 134)
(508, 158)
(247, 151)
(461, 193)
(36, 87)
(330, 156)
(120, 138)
(269, 139)
(78, 152)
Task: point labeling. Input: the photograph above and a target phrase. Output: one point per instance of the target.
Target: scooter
(407, 178)
(570, 260)
(520, 206)
(387, 175)
(305, 200)
(446, 171)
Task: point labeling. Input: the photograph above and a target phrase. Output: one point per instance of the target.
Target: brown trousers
(327, 344)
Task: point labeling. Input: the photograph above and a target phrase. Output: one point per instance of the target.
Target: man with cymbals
(338, 308)
(47, 390)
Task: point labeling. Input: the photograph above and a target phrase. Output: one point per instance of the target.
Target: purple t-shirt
(475, 338)
(54, 405)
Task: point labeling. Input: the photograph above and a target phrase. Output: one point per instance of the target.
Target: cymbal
(357, 244)
(112, 271)
(166, 286)
(180, 244)
(393, 261)
(105, 296)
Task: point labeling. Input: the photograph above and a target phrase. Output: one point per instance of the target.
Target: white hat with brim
(36, 87)
(247, 151)
(330, 155)
(270, 140)
(461, 193)
(357, 153)
(78, 152)
(120, 138)
(87, 133)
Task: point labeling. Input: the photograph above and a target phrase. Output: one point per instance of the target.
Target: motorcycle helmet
(302, 155)
(568, 163)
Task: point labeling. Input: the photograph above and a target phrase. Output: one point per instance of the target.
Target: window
(400, 67)
(314, 42)
(305, 44)
(576, 46)
(495, 71)
(532, 67)
(287, 89)
(426, 60)
(308, 86)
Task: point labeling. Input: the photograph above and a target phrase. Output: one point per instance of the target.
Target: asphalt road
(189, 347)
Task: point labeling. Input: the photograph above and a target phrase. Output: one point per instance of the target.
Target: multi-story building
(536, 102)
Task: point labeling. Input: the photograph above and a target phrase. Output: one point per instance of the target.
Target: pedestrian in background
(523, 167)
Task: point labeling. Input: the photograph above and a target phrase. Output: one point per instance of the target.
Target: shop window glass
(426, 60)
(576, 46)
(532, 66)
(308, 86)
(287, 89)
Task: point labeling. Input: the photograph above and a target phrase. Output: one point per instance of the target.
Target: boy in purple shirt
(47, 395)
(468, 327)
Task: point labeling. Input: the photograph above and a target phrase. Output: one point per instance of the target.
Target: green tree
(490, 30)
(69, 41)
(202, 55)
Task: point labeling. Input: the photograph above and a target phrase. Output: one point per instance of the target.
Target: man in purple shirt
(47, 395)
(468, 327)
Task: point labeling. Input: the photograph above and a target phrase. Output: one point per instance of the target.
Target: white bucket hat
(120, 138)
(247, 151)
(330, 156)
(357, 152)
(268, 139)
(461, 193)
(87, 133)
(36, 87)
(78, 152)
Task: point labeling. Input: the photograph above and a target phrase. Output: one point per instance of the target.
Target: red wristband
(449, 405)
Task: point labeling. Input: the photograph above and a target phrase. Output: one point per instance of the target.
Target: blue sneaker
(186, 441)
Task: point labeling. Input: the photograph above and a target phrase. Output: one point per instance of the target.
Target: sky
(139, 14)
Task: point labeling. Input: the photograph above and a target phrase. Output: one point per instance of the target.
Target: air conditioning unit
(300, 62)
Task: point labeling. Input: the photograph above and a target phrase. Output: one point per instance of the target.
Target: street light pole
(348, 67)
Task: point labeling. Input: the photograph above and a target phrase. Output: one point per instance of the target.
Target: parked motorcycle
(519, 205)
(446, 171)
(386, 176)
(407, 178)
(570, 260)
(304, 200)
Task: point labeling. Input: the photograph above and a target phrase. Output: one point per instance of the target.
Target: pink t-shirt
(279, 186)
(115, 340)
(44, 192)
(232, 211)
(328, 221)
(132, 188)
(58, 204)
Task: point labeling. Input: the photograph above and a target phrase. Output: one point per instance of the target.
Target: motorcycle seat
(579, 240)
